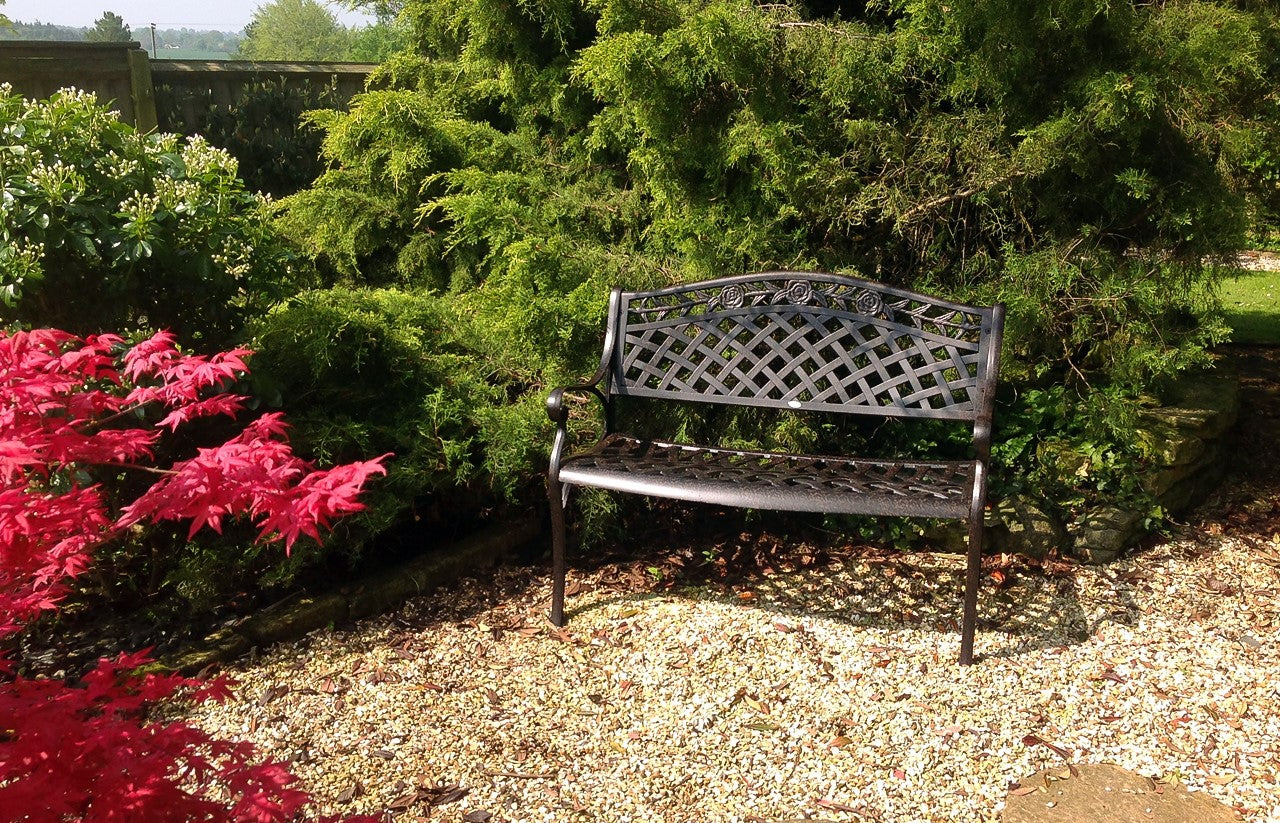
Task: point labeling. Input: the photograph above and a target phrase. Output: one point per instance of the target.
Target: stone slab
(1100, 792)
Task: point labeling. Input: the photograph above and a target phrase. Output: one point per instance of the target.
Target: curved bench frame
(792, 341)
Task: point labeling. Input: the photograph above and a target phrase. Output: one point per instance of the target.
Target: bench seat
(765, 480)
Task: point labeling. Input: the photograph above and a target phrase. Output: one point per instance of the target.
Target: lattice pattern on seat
(803, 342)
(775, 481)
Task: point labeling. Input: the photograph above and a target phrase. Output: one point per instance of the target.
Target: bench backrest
(806, 340)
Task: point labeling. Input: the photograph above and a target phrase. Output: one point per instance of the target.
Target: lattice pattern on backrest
(801, 341)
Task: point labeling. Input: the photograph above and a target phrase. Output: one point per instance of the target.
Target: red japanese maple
(68, 404)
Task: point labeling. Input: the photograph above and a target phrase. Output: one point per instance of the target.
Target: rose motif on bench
(733, 296)
(799, 291)
(868, 302)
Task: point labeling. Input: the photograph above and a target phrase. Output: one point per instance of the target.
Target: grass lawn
(1251, 302)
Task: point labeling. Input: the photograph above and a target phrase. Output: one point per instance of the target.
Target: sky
(219, 15)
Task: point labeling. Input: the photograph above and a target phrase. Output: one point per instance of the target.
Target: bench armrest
(592, 385)
(555, 401)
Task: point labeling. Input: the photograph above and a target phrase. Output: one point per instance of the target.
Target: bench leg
(556, 497)
(972, 581)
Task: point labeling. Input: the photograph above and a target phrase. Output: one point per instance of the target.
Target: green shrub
(1079, 162)
(107, 229)
(375, 371)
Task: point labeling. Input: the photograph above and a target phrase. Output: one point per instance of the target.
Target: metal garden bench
(800, 341)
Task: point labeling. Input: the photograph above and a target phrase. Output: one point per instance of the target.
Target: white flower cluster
(200, 158)
(117, 167)
(71, 102)
(140, 207)
(162, 143)
(233, 257)
(182, 197)
(21, 259)
(59, 182)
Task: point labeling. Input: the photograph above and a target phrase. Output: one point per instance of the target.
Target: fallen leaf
(1220, 779)
(1113, 676)
(444, 795)
(1022, 791)
(1218, 586)
(1033, 740)
(477, 816)
(279, 690)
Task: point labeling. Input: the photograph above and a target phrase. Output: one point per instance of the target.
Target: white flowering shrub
(104, 228)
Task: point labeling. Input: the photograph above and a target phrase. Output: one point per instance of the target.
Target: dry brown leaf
(404, 801)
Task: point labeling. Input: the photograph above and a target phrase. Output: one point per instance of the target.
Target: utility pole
(153, 41)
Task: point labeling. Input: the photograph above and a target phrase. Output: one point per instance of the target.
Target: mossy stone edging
(1184, 440)
(366, 598)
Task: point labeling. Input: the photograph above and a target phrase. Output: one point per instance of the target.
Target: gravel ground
(1260, 261)
(826, 692)
(784, 683)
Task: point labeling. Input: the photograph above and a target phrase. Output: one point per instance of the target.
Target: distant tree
(109, 28)
(294, 30)
(19, 30)
(374, 44)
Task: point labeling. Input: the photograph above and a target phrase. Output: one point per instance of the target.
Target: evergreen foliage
(1079, 160)
(109, 28)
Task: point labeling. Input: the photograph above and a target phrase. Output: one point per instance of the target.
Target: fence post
(144, 94)
(144, 91)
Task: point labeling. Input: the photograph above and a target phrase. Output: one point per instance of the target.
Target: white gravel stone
(830, 693)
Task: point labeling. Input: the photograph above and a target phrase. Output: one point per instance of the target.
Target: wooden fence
(119, 72)
(123, 73)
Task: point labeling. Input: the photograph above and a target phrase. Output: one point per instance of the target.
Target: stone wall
(1185, 438)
